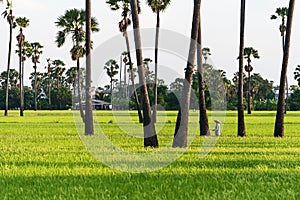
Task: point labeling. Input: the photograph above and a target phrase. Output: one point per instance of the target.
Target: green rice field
(43, 157)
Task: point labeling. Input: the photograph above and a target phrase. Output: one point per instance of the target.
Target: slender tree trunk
(111, 87)
(49, 90)
(22, 88)
(241, 120)
(35, 89)
(138, 106)
(150, 137)
(248, 93)
(181, 129)
(287, 87)
(79, 92)
(203, 120)
(89, 121)
(156, 65)
(279, 123)
(8, 63)
(121, 66)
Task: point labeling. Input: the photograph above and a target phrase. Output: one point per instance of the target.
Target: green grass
(42, 157)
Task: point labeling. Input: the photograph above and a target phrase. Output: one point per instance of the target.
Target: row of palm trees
(72, 23)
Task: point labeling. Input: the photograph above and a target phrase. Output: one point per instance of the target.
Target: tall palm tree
(181, 129)
(72, 23)
(150, 137)
(123, 25)
(22, 22)
(279, 123)
(248, 53)
(157, 7)
(206, 53)
(10, 19)
(34, 51)
(282, 13)
(58, 70)
(111, 68)
(241, 118)
(203, 120)
(71, 74)
(297, 74)
(49, 70)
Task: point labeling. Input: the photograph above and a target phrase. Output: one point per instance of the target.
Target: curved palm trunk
(150, 137)
(8, 63)
(79, 91)
(279, 123)
(181, 129)
(203, 120)
(241, 120)
(138, 106)
(156, 65)
(248, 93)
(35, 89)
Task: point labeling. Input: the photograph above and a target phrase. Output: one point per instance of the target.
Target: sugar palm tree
(241, 118)
(203, 119)
(181, 129)
(157, 7)
(111, 68)
(206, 53)
(248, 53)
(123, 25)
(282, 13)
(150, 137)
(297, 74)
(22, 23)
(71, 74)
(10, 19)
(72, 23)
(279, 123)
(58, 70)
(34, 51)
(49, 70)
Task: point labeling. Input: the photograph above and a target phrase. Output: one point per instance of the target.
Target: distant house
(97, 105)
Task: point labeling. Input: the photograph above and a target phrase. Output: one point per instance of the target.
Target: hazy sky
(220, 23)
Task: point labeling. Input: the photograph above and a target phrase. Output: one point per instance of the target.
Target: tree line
(72, 24)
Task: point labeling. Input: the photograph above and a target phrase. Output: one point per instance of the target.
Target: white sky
(220, 24)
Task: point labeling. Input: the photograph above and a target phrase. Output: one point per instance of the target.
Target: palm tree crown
(72, 23)
(158, 5)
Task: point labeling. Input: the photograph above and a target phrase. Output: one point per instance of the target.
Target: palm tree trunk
(150, 137)
(156, 65)
(248, 93)
(132, 79)
(22, 87)
(181, 129)
(241, 120)
(49, 90)
(89, 121)
(35, 89)
(279, 123)
(8, 62)
(287, 88)
(203, 120)
(79, 91)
